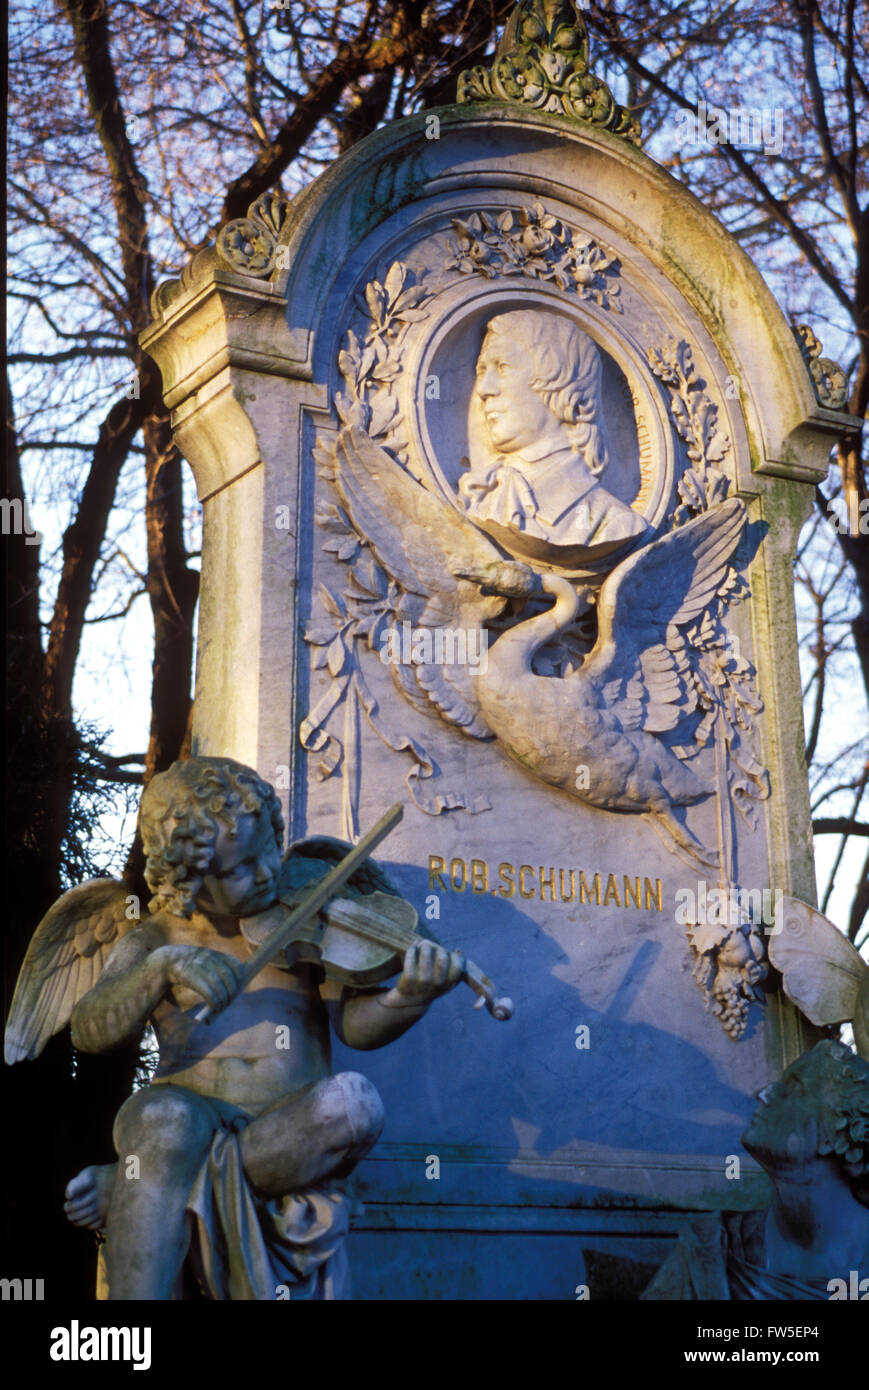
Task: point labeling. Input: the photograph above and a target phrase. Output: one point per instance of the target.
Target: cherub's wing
(64, 960)
(420, 541)
(821, 971)
(638, 663)
(307, 861)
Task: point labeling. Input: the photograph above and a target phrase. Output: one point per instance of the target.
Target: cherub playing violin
(235, 1155)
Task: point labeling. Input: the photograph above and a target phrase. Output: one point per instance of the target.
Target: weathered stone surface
(232, 1163)
(821, 972)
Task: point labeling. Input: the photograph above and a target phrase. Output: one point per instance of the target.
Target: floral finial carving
(249, 244)
(533, 243)
(542, 61)
(246, 245)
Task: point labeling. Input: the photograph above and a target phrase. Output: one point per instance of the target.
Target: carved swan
(634, 685)
(571, 735)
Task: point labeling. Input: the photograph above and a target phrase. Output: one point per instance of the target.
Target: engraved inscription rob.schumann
(545, 882)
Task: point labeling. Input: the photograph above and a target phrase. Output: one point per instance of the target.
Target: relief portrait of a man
(538, 385)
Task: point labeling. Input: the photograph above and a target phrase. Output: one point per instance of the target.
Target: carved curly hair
(842, 1080)
(180, 816)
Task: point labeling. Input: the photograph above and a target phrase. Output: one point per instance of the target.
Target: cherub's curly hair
(181, 815)
(843, 1113)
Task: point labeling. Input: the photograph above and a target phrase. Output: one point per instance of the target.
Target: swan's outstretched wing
(820, 969)
(64, 960)
(420, 541)
(638, 662)
(417, 537)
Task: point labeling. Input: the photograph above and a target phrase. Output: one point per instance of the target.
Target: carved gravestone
(503, 448)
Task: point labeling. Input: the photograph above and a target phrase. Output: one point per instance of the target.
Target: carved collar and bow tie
(519, 490)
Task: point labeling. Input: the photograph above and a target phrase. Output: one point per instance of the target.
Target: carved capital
(542, 61)
(224, 352)
(246, 246)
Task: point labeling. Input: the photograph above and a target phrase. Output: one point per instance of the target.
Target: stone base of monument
(512, 1260)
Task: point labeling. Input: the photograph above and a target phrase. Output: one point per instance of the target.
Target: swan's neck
(515, 650)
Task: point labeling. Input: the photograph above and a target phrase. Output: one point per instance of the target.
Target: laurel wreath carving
(730, 965)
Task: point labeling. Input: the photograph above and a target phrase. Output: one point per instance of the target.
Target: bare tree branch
(839, 825)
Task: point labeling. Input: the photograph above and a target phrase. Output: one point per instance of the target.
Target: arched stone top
(405, 172)
(398, 170)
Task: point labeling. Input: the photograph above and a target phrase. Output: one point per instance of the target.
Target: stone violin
(357, 941)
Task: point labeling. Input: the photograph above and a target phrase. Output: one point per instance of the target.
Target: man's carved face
(243, 875)
(515, 414)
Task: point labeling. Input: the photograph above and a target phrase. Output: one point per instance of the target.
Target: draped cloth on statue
(249, 1247)
(722, 1256)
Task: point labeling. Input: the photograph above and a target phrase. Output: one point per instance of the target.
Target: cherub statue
(236, 1153)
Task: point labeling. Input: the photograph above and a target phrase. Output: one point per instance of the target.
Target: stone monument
(503, 448)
